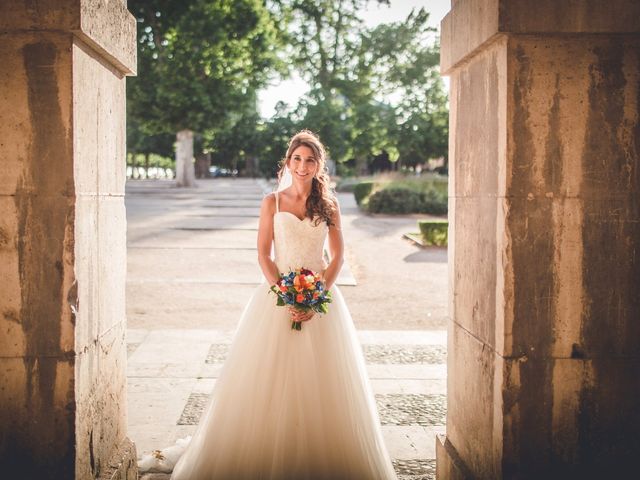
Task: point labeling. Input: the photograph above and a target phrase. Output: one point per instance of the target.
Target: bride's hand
(299, 315)
(321, 274)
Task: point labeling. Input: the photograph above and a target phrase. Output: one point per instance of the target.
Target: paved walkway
(185, 245)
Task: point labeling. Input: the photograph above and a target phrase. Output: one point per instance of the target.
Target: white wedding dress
(290, 404)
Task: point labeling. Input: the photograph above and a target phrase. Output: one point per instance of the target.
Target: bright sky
(291, 90)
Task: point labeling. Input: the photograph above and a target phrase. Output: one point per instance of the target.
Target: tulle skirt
(289, 404)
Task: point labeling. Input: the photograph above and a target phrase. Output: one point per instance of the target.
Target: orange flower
(299, 298)
(300, 283)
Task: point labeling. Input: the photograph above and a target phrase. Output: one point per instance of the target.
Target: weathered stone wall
(544, 342)
(573, 222)
(37, 254)
(62, 237)
(100, 247)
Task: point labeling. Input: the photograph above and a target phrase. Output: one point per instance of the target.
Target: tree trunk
(185, 171)
(361, 165)
(146, 165)
(134, 172)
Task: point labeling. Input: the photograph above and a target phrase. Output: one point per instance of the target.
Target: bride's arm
(336, 249)
(265, 238)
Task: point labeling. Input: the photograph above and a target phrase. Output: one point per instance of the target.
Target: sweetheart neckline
(293, 215)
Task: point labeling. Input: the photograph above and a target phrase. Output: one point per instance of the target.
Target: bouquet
(302, 289)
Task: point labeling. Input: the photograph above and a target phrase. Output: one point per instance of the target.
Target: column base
(449, 465)
(124, 463)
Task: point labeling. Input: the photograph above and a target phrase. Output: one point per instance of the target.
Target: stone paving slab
(220, 211)
(187, 203)
(171, 238)
(169, 187)
(207, 210)
(375, 354)
(413, 442)
(185, 222)
(407, 372)
(212, 266)
(164, 369)
(206, 195)
(366, 337)
(431, 386)
(159, 352)
(182, 306)
(227, 266)
(394, 409)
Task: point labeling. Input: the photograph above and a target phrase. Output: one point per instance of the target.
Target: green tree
(372, 90)
(324, 42)
(421, 130)
(200, 62)
(274, 137)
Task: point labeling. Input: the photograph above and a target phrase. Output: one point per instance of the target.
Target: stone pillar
(544, 336)
(185, 170)
(62, 239)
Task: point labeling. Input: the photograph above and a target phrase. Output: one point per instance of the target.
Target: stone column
(544, 336)
(62, 239)
(185, 170)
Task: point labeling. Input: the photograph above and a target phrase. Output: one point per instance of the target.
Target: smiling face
(303, 164)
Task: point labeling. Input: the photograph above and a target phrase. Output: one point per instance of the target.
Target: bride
(292, 404)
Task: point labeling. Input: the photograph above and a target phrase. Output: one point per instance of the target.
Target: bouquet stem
(296, 325)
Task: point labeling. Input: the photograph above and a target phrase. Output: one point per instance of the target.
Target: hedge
(434, 202)
(395, 200)
(402, 200)
(362, 190)
(434, 232)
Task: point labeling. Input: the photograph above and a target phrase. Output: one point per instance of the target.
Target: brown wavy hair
(321, 202)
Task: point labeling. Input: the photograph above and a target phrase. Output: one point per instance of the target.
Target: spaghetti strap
(277, 210)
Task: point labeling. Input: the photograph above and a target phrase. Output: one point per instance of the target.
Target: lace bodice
(298, 243)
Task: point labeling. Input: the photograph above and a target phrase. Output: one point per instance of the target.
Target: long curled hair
(320, 205)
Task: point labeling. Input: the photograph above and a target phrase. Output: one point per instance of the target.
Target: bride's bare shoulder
(269, 203)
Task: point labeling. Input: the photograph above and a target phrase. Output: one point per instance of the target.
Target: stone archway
(544, 338)
(543, 341)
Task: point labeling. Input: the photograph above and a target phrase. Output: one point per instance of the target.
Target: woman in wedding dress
(292, 404)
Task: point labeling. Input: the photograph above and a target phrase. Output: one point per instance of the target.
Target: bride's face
(303, 164)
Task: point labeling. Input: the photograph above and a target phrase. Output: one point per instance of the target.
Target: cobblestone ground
(188, 247)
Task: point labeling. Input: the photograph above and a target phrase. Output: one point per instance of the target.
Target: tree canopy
(199, 62)
(373, 91)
